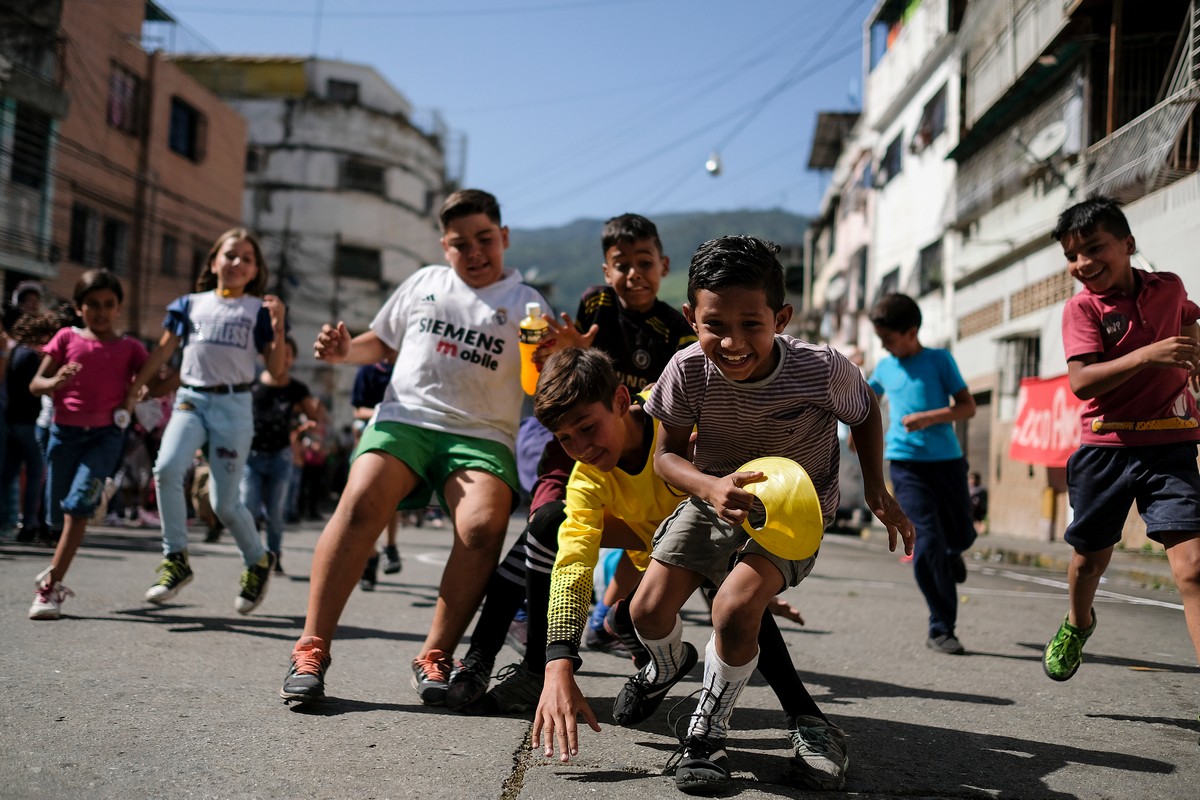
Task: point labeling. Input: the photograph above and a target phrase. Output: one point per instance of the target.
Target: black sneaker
(254, 584)
(305, 681)
(391, 560)
(469, 680)
(703, 766)
(958, 568)
(639, 698)
(175, 573)
(519, 691)
(370, 574)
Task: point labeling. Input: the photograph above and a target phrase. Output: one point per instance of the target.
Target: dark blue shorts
(1103, 482)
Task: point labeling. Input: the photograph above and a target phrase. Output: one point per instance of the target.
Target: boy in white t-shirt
(447, 423)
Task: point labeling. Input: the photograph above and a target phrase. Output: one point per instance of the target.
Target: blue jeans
(226, 423)
(935, 497)
(80, 459)
(22, 449)
(265, 482)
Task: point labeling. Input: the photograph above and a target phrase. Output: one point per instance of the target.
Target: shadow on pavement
(891, 759)
(841, 689)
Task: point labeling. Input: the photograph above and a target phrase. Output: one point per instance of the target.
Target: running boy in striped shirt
(749, 390)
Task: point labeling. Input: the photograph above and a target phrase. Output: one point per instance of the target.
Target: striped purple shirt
(792, 413)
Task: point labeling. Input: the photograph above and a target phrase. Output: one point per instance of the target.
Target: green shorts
(434, 456)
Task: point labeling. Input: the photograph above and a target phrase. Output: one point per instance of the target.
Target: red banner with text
(1046, 430)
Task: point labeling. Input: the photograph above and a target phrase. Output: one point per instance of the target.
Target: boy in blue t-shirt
(929, 472)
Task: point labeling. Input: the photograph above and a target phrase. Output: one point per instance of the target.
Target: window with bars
(186, 133)
(889, 284)
(359, 262)
(30, 147)
(81, 247)
(929, 269)
(1020, 357)
(124, 100)
(892, 161)
(341, 91)
(363, 176)
(170, 253)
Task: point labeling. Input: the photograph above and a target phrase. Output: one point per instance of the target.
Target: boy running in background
(927, 395)
(1130, 338)
(615, 499)
(749, 391)
(447, 424)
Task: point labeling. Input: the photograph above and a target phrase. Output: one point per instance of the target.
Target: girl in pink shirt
(87, 371)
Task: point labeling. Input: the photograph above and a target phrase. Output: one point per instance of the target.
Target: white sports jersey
(458, 368)
(221, 337)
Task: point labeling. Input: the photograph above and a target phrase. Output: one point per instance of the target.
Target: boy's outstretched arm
(560, 703)
(963, 407)
(868, 443)
(1090, 377)
(726, 495)
(334, 346)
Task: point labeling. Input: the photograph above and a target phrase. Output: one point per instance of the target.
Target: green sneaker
(1064, 653)
(254, 584)
(175, 574)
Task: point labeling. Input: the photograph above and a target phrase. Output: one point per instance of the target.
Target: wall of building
(134, 178)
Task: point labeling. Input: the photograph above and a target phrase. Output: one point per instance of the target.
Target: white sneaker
(48, 600)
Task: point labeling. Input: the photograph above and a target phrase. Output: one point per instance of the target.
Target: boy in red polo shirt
(1131, 342)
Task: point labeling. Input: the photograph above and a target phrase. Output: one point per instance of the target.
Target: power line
(243, 11)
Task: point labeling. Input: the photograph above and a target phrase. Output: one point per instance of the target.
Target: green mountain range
(567, 259)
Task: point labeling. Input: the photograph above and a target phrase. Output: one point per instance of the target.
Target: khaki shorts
(695, 538)
(434, 456)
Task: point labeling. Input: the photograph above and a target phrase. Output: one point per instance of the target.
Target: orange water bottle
(533, 328)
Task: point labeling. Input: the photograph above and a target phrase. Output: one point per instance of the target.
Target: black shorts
(1103, 482)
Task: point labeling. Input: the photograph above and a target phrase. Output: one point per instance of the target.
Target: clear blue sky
(589, 108)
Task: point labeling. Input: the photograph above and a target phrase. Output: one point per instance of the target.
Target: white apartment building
(341, 185)
(984, 120)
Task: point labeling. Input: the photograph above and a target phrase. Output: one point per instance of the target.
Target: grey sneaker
(305, 681)
(175, 574)
(254, 584)
(518, 691)
(431, 677)
(469, 680)
(820, 759)
(946, 643)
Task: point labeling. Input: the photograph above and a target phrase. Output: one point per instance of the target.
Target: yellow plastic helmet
(793, 526)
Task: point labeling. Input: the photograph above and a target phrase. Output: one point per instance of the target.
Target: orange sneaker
(431, 677)
(305, 681)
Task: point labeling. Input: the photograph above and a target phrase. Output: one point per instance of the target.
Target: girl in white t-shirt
(221, 328)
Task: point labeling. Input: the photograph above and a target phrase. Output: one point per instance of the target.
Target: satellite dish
(1048, 141)
(713, 165)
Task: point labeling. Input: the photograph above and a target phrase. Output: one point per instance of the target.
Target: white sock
(723, 685)
(665, 654)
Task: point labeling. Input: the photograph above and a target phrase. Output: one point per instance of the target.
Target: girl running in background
(221, 328)
(87, 371)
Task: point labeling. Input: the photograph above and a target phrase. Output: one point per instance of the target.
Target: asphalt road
(124, 699)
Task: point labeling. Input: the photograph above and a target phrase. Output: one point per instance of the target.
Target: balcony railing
(1163, 144)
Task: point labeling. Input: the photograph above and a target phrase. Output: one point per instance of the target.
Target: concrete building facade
(143, 170)
(342, 187)
(1046, 102)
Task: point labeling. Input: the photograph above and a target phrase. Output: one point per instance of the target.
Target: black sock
(776, 666)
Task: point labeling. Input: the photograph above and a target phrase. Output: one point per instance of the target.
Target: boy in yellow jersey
(615, 499)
